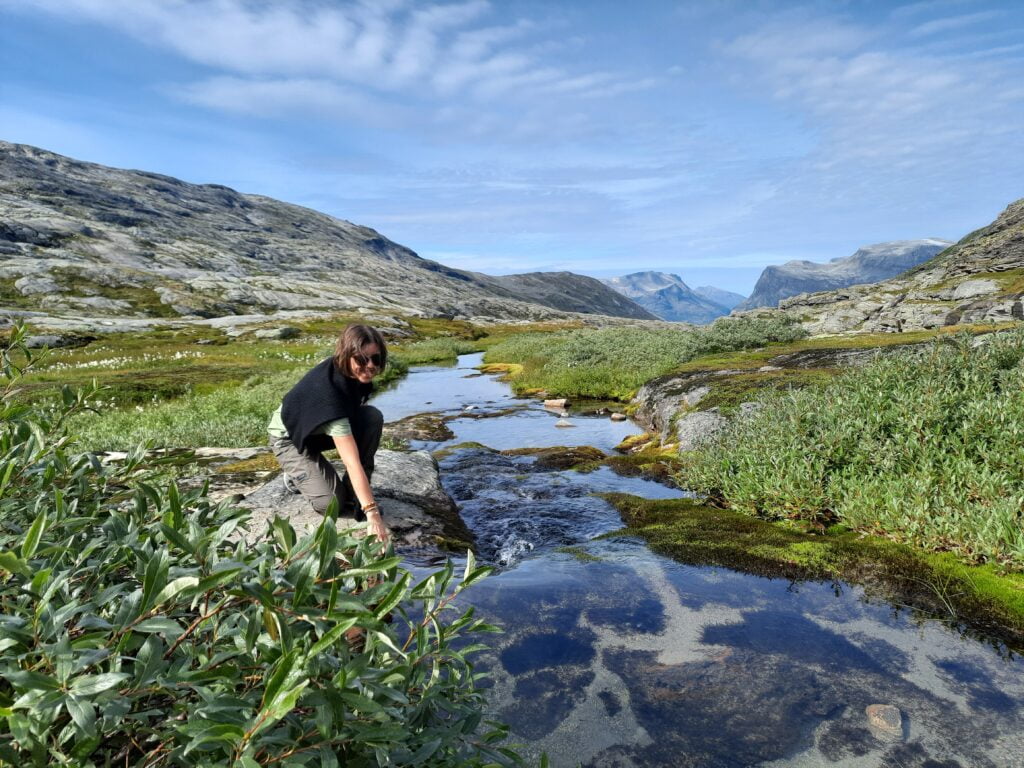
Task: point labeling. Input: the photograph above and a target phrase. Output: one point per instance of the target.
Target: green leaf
(11, 563)
(178, 585)
(83, 715)
(159, 624)
(394, 597)
(90, 685)
(32, 681)
(331, 636)
(35, 533)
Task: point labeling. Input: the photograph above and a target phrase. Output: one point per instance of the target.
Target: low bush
(615, 362)
(924, 446)
(141, 626)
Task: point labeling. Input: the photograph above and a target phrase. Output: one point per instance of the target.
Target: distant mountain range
(668, 297)
(868, 265)
(81, 241)
(978, 280)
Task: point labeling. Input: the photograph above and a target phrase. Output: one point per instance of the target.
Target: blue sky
(707, 139)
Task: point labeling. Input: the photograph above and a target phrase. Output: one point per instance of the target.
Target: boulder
(564, 423)
(697, 428)
(970, 289)
(407, 486)
(29, 286)
(285, 332)
(53, 340)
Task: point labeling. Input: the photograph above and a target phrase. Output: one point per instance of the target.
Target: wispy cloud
(308, 55)
(952, 22)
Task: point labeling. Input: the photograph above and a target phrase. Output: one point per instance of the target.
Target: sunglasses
(364, 360)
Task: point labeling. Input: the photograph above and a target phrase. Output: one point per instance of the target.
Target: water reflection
(614, 656)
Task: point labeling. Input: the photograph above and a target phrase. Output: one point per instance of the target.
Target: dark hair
(351, 342)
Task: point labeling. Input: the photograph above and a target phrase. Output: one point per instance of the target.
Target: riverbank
(978, 599)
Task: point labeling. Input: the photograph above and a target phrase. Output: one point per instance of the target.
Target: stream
(615, 656)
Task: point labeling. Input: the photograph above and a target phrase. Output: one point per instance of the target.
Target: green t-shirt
(336, 428)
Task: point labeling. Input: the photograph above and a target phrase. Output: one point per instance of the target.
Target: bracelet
(371, 507)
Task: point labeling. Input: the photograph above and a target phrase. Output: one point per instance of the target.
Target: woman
(327, 409)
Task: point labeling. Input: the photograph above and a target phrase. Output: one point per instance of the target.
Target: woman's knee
(371, 418)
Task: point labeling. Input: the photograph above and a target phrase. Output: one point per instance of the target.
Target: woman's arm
(349, 453)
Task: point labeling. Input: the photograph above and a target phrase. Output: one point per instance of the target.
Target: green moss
(580, 554)
(691, 532)
(560, 458)
(727, 392)
(263, 462)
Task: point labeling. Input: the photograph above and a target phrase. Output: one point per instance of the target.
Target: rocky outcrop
(979, 280)
(668, 297)
(868, 265)
(417, 510)
(84, 244)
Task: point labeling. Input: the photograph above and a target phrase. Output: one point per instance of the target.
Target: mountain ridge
(80, 237)
(868, 264)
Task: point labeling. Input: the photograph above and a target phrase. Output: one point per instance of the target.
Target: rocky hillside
(80, 240)
(868, 265)
(668, 297)
(979, 280)
(567, 291)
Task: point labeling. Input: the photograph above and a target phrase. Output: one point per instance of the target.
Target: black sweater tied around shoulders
(322, 395)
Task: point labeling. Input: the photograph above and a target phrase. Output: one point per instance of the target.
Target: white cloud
(952, 22)
(431, 51)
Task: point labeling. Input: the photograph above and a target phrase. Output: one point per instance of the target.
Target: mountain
(668, 297)
(81, 240)
(727, 299)
(868, 265)
(567, 291)
(978, 280)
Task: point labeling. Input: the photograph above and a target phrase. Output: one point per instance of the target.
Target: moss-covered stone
(980, 598)
(560, 458)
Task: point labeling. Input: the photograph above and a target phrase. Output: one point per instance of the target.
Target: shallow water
(615, 656)
(461, 390)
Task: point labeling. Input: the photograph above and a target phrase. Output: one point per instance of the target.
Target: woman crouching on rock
(327, 409)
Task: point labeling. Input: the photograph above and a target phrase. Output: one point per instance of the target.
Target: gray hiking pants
(315, 476)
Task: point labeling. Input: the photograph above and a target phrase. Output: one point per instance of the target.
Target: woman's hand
(376, 527)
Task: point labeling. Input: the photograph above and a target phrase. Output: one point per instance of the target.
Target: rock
(564, 423)
(970, 289)
(556, 404)
(30, 285)
(407, 486)
(285, 332)
(54, 341)
(421, 426)
(618, 416)
(885, 718)
(695, 429)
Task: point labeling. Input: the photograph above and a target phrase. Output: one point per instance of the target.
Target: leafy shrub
(615, 362)
(141, 626)
(926, 446)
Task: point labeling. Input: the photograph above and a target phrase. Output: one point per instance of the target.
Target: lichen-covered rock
(695, 429)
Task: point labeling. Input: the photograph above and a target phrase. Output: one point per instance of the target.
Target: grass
(924, 446)
(614, 362)
(197, 386)
(694, 533)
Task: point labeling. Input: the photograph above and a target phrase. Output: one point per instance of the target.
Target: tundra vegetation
(144, 626)
(925, 446)
(615, 362)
